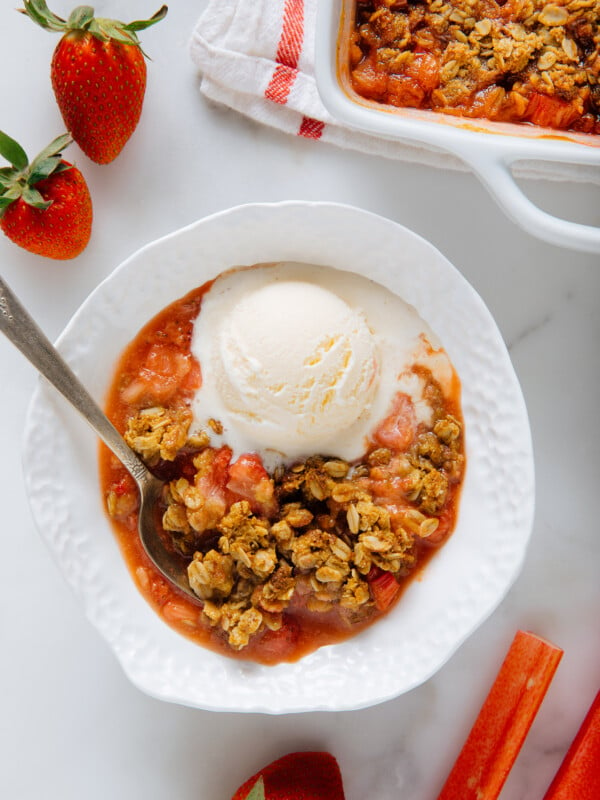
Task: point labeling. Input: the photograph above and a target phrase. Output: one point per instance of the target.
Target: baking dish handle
(493, 169)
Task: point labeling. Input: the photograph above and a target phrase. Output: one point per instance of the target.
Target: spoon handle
(24, 333)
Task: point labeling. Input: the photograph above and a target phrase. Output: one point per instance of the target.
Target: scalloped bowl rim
(461, 585)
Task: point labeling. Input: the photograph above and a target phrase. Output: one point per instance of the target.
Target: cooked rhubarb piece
(579, 774)
(504, 720)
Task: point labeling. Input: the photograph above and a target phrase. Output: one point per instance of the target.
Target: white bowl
(460, 586)
(488, 148)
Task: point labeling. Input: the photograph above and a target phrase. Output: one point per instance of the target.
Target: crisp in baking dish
(488, 146)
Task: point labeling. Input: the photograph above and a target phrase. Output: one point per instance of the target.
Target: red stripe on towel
(280, 84)
(311, 128)
(288, 52)
(292, 33)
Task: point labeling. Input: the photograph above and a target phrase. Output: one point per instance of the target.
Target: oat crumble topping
(322, 527)
(519, 61)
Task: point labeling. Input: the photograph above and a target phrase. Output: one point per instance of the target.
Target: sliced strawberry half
(296, 776)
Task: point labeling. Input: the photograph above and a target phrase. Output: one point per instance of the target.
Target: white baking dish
(488, 148)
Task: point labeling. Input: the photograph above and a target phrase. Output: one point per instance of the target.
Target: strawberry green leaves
(40, 13)
(19, 180)
(142, 24)
(13, 152)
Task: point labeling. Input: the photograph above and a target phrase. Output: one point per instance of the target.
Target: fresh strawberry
(45, 206)
(98, 75)
(297, 776)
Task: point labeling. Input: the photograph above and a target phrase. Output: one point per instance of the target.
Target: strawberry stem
(82, 19)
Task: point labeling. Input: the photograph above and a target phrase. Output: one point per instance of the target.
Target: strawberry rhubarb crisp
(514, 60)
(287, 550)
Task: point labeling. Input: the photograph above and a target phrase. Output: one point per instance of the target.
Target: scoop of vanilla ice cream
(294, 365)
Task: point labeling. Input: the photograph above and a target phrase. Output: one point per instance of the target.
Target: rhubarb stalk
(504, 720)
(579, 774)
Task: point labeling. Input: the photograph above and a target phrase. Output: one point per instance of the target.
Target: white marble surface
(72, 725)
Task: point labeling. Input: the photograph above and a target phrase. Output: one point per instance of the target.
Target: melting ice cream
(298, 359)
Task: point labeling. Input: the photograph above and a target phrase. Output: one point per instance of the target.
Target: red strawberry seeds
(99, 87)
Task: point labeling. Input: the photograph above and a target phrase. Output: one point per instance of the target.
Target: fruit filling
(284, 555)
(527, 61)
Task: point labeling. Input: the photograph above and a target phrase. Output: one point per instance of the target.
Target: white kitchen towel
(257, 57)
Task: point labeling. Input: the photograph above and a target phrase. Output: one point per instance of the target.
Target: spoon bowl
(19, 327)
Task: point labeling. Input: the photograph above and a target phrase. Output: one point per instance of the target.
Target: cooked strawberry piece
(125, 486)
(163, 371)
(404, 92)
(384, 587)
(219, 474)
(551, 112)
(166, 366)
(425, 70)
(245, 473)
(178, 331)
(193, 380)
(277, 646)
(215, 473)
(398, 429)
(159, 591)
(249, 480)
(388, 491)
(211, 480)
(368, 82)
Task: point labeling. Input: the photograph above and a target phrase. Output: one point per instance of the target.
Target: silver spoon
(24, 333)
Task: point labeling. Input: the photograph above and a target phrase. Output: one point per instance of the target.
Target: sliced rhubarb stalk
(578, 777)
(504, 720)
